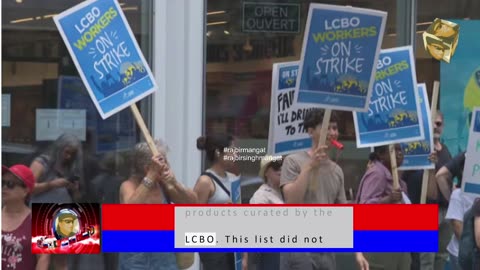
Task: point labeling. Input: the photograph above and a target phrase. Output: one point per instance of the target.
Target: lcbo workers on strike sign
(394, 114)
(106, 55)
(340, 50)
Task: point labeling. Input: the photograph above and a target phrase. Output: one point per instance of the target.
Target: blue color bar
(366, 241)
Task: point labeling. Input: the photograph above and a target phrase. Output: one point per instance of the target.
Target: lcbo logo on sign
(89, 18)
(342, 23)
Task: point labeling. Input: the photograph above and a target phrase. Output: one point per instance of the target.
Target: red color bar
(382, 217)
(391, 217)
(142, 217)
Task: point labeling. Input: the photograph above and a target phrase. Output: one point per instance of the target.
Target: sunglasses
(438, 124)
(276, 165)
(68, 221)
(12, 184)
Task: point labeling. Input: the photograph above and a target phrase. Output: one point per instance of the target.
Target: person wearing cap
(17, 185)
(267, 193)
(66, 224)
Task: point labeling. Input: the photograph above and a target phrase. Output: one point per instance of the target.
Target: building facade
(212, 61)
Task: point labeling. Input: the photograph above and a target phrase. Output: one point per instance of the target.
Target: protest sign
(427, 174)
(394, 114)
(415, 154)
(286, 134)
(106, 54)
(471, 171)
(339, 54)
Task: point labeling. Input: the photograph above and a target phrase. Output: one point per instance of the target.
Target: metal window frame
(147, 45)
(406, 22)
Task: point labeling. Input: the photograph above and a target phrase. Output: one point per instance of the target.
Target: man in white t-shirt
(460, 203)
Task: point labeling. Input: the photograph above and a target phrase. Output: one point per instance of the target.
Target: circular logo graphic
(66, 224)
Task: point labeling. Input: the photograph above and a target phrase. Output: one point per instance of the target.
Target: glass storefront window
(239, 58)
(43, 95)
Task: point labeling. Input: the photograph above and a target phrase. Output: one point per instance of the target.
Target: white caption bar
(264, 227)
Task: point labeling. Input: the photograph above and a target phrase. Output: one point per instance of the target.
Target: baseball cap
(22, 172)
(266, 162)
(64, 213)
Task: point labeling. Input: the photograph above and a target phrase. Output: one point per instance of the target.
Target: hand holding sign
(433, 157)
(395, 196)
(318, 156)
(161, 170)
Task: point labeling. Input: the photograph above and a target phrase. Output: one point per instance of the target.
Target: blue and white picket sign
(471, 171)
(394, 114)
(339, 54)
(106, 54)
(415, 154)
(286, 133)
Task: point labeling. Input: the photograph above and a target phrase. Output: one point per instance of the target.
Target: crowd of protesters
(63, 174)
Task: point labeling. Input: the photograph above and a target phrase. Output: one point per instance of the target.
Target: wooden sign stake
(313, 183)
(143, 127)
(393, 162)
(426, 173)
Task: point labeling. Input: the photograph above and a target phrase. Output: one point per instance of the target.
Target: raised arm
(178, 193)
(174, 190)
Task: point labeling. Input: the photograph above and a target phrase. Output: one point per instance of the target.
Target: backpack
(467, 245)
